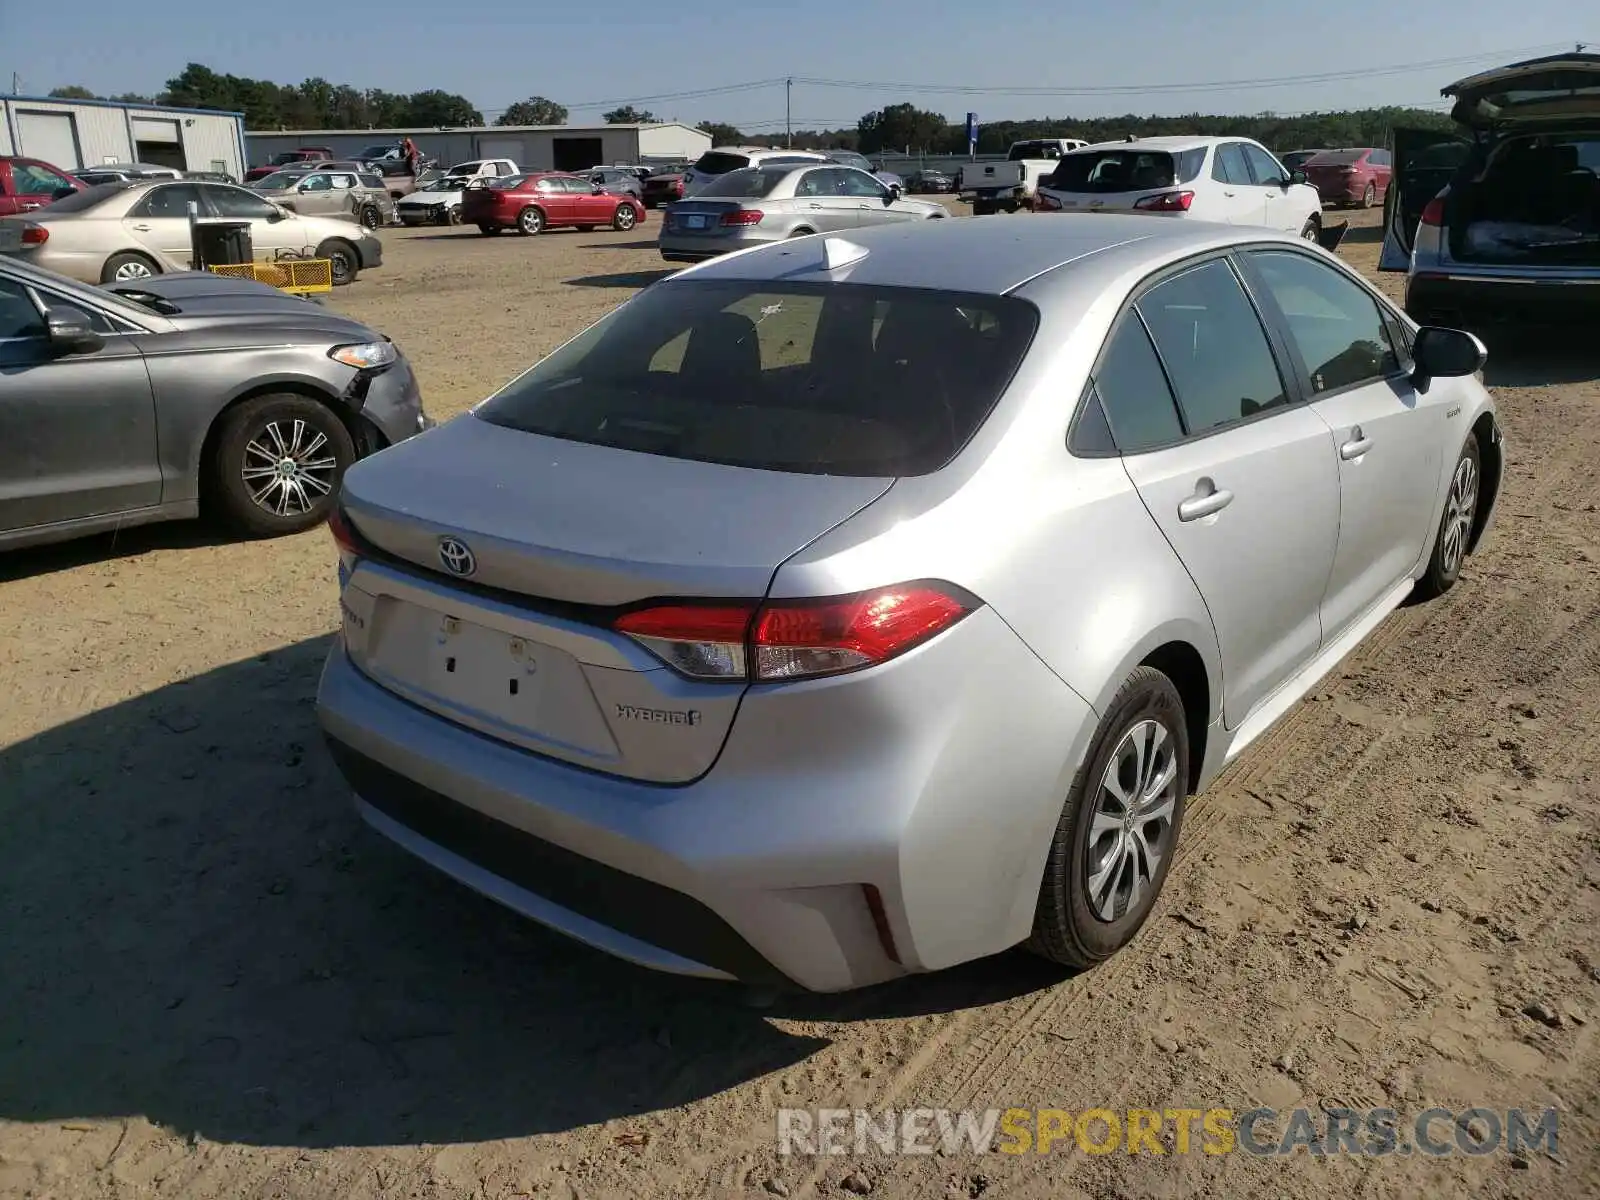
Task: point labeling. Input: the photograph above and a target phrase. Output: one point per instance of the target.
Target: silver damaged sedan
(862, 605)
(756, 206)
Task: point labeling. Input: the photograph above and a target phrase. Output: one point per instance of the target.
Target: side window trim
(1271, 313)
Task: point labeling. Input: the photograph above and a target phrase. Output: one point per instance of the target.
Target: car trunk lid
(705, 218)
(499, 559)
(1538, 90)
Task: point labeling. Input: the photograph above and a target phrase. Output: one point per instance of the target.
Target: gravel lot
(217, 983)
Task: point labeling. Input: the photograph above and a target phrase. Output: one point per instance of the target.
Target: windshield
(716, 162)
(1035, 150)
(748, 183)
(1113, 171)
(278, 181)
(825, 379)
(670, 169)
(470, 168)
(376, 152)
(441, 185)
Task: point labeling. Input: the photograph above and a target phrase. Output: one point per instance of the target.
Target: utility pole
(788, 126)
(16, 84)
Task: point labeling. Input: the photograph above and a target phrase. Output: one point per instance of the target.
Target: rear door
(159, 222)
(1243, 484)
(553, 197)
(1423, 163)
(77, 432)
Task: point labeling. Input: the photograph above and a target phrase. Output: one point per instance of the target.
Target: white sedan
(1231, 181)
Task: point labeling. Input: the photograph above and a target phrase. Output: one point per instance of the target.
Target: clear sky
(688, 59)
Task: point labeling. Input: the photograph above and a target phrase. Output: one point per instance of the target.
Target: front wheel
(371, 218)
(625, 218)
(1312, 231)
(1455, 525)
(1114, 843)
(342, 256)
(278, 463)
(530, 221)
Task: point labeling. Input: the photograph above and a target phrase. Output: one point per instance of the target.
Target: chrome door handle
(29, 207)
(1358, 445)
(816, 206)
(142, 228)
(1208, 498)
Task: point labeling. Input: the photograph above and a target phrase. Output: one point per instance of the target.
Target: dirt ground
(215, 982)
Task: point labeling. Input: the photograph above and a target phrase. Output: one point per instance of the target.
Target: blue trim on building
(204, 112)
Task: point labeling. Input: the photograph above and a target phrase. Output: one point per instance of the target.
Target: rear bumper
(691, 248)
(944, 800)
(1462, 297)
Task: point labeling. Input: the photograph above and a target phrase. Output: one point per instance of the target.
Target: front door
(1422, 165)
(1387, 438)
(1272, 185)
(159, 223)
(1249, 498)
(77, 432)
(823, 203)
(590, 208)
(33, 185)
(1242, 203)
(875, 203)
(271, 228)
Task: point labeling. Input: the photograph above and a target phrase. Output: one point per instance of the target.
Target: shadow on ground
(1527, 357)
(198, 929)
(106, 547)
(625, 279)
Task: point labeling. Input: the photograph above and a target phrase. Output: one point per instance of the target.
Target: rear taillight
(794, 639)
(1047, 203)
(677, 186)
(1433, 213)
(743, 216)
(35, 235)
(1165, 202)
(347, 540)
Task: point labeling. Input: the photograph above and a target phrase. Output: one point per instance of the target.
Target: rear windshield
(1334, 158)
(1115, 171)
(820, 379)
(89, 197)
(715, 162)
(747, 183)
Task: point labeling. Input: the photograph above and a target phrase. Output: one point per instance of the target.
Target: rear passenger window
(1338, 329)
(1213, 347)
(1133, 391)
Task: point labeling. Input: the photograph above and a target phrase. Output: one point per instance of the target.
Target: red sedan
(1359, 176)
(531, 204)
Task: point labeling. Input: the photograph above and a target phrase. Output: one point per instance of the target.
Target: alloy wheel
(289, 468)
(132, 269)
(1130, 829)
(1460, 509)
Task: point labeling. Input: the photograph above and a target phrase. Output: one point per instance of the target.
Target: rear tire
(346, 262)
(530, 221)
(371, 218)
(278, 463)
(489, 230)
(1109, 858)
(1370, 196)
(984, 208)
(1312, 230)
(128, 267)
(1455, 524)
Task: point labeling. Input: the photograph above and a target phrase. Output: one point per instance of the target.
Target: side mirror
(1440, 353)
(276, 215)
(895, 192)
(1296, 177)
(70, 334)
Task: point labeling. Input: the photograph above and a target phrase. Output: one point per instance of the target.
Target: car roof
(1172, 143)
(992, 255)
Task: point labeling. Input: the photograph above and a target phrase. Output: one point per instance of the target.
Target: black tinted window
(168, 202)
(18, 316)
(1133, 388)
(1338, 329)
(749, 183)
(1263, 166)
(835, 379)
(1190, 163)
(90, 197)
(1228, 164)
(715, 162)
(1114, 171)
(1213, 346)
(238, 203)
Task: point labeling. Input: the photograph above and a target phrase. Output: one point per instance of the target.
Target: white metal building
(85, 133)
(534, 147)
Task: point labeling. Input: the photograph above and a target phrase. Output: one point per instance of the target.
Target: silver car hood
(204, 298)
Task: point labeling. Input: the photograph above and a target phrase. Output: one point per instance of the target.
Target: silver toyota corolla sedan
(859, 606)
(758, 205)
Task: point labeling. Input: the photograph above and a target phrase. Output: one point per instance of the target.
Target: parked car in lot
(710, 687)
(127, 231)
(1231, 180)
(26, 184)
(1007, 186)
(664, 185)
(437, 202)
(721, 159)
(764, 204)
(284, 158)
(1358, 177)
(1295, 159)
(121, 172)
(323, 193)
(1501, 221)
(930, 182)
(159, 399)
(542, 200)
(849, 158)
(618, 181)
(211, 177)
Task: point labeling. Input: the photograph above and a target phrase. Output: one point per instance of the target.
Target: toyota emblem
(457, 556)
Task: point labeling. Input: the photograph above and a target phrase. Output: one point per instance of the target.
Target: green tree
(900, 127)
(535, 110)
(433, 107)
(628, 115)
(72, 92)
(722, 134)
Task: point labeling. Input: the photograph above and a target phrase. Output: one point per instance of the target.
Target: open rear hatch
(496, 564)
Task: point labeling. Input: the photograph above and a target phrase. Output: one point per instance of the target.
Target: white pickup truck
(1010, 185)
